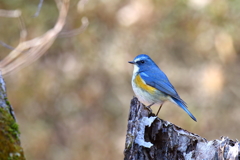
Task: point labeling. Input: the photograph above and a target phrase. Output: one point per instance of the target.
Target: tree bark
(10, 148)
(151, 138)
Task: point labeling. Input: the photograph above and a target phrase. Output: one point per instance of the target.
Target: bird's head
(142, 63)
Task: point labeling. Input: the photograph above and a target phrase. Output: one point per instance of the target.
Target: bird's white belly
(146, 97)
(143, 96)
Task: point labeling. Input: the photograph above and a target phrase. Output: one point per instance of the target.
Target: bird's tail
(184, 107)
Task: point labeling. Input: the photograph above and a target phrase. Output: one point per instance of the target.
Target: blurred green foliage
(73, 102)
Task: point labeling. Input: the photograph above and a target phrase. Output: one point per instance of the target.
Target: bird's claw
(148, 108)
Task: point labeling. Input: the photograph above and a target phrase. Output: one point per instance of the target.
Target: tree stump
(151, 138)
(10, 148)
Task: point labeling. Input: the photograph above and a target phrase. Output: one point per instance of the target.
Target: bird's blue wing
(160, 81)
(184, 107)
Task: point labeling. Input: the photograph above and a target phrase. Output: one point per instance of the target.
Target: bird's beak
(132, 62)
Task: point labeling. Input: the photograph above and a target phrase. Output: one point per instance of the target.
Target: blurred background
(73, 102)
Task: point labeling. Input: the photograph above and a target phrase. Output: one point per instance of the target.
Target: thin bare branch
(39, 8)
(81, 4)
(58, 3)
(23, 33)
(6, 45)
(10, 13)
(29, 51)
(75, 31)
(35, 48)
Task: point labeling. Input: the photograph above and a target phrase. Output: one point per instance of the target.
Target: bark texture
(10, 148)
(151, 138)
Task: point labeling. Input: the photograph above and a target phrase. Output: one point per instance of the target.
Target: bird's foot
(149, 107)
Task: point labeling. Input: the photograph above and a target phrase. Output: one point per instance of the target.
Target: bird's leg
(159, 109)
(148, 107)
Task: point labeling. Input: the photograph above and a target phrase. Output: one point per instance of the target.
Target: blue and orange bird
(151, 85)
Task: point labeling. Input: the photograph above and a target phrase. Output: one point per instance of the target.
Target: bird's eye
(142, 61)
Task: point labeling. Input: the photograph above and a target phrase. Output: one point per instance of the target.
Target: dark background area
(73, 102)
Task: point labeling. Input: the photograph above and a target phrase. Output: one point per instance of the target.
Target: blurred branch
(29, 51)
(39, 8)
(35, 48)
(149, 137)
(75, 31)
(81, 4)
(6, 45)
(14, 14)
(85, 22)
(23, 32)
(10, 13)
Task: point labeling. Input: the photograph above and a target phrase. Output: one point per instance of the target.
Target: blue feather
(184, 107)
(160, 81)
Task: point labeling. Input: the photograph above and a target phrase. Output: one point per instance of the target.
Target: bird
(151, 85)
